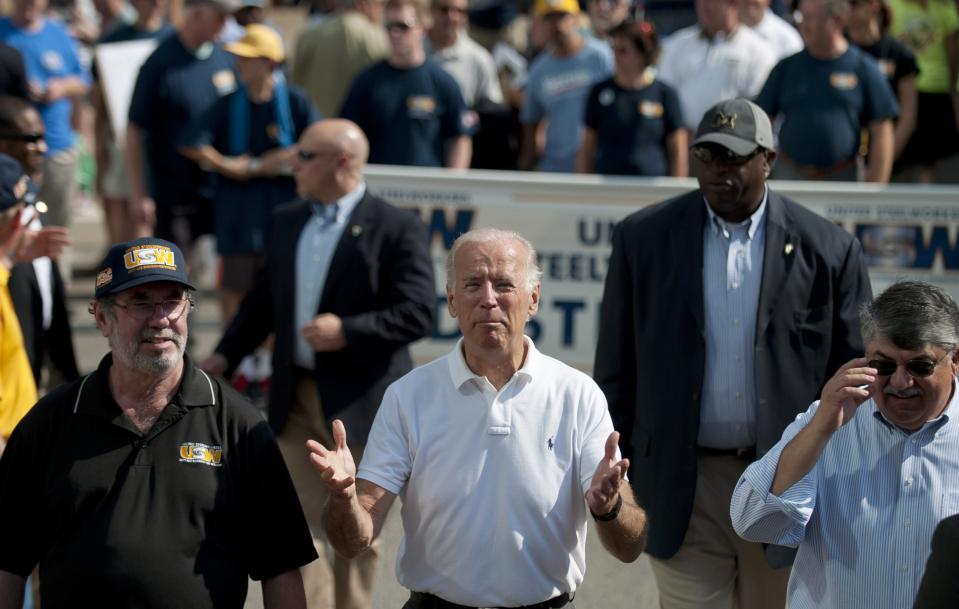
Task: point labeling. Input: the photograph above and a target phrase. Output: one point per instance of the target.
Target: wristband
(610, 515)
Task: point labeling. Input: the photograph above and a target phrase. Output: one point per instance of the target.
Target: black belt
(748, 453)
(424, 600)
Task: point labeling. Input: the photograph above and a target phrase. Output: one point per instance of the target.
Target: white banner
(906, 231)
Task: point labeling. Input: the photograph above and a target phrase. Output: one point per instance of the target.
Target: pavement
(608, 583)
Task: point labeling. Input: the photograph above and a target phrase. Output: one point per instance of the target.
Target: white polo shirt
(492, 483)
(706, 71)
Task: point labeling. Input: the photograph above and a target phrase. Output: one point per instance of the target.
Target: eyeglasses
(918, 368)
(145, 309)
(399, 26)
(720, 154)
(29, 138)
(308, 155)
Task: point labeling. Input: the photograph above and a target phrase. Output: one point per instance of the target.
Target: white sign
(906, 232)
(118, 64)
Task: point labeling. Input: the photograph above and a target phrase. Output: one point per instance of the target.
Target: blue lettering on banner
(905, 246)
(595, 232)
(568, 309)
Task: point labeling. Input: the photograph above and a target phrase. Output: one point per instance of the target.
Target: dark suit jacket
(651, 352)
(939, 588)
(56, 342)
(380, 282)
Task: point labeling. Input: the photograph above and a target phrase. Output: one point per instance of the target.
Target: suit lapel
(780, 253)
(686, 240)
(359, 223)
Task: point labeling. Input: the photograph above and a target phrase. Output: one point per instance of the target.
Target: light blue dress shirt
(863, 517)
(314, 251)
(732, 277)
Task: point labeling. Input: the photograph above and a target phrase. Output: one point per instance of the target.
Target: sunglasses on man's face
(719, 154)
(29, 138)
(919, 368)
(400, 26)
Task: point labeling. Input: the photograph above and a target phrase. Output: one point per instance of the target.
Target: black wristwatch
(610, 515)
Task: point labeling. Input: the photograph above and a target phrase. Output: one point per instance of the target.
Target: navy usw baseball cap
(15, 186)
(140, 261)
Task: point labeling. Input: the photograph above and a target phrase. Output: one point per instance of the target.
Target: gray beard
(129, 354)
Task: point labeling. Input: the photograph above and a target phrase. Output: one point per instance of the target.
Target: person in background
(826, 95)
(605, 15)
(776, 31)
(330, 54)
(931, 29)
(868, 28)
(716, 59)
(248, 138)
(36, 286)
(410, 108)
(939, 588)
(559, 82)
(55, 77)
(634, 123)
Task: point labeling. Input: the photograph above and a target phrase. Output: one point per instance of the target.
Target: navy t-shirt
(825, 104)
(407, 114)
(631, 126)
(174, 88)
(242, 216)
(895, 60)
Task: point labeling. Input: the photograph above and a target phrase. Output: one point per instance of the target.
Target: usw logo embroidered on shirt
(194, 452)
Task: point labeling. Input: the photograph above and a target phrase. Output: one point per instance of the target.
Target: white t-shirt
(782, 37)
(707, 71)
(492, 483)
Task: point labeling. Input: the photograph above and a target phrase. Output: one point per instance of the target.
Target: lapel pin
(788, 249)
(357, 230)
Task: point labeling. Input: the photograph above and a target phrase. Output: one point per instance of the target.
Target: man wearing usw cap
(725, 311)
(148, 483)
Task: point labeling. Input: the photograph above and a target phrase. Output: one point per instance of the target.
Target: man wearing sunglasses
(861, 479)
(725, 310)
(148, 483)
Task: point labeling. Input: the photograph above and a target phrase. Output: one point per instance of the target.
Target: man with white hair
(494, 449)
(148, 483)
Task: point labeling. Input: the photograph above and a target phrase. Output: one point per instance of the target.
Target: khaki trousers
(332, 581)
(715, 568)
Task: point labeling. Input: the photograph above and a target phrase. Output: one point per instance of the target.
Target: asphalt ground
(609, 583)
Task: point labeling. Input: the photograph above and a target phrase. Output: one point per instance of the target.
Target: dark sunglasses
(719, 154)
(29, 138)
(308, 155)
(919, 368)
(400, 26)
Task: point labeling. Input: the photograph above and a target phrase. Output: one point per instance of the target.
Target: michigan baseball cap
(258, 41)
(545, 7)
(737, 124)
(144, 260)
(15, 186)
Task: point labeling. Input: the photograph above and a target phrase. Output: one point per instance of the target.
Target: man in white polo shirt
(499, 452)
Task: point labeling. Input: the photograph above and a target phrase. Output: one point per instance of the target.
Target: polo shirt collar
(460, 372)
(94, 397)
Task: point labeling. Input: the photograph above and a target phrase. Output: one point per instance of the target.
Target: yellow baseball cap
(545, 7)
(258, 41)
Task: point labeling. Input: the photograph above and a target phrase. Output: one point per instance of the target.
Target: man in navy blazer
(347, 286)
(724, 312)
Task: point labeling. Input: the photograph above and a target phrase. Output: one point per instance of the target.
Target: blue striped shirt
(863, 517)
(732, 277)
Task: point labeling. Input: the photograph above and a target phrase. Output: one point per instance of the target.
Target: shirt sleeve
(532, 111)
(387, 459)
(21, 521)
(768, 98)
(458, 119)
(146, 96)
(672, 110)
(592, 114)
(880, 100)
(760, 516)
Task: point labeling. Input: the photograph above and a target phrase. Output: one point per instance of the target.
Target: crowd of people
(726, 311)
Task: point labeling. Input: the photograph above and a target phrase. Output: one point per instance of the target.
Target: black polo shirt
(177, 517)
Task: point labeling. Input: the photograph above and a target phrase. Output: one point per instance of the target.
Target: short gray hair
(911, 315)
(493, 235)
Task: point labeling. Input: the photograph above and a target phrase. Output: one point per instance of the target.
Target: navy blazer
(380, 283)
(651, 352)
